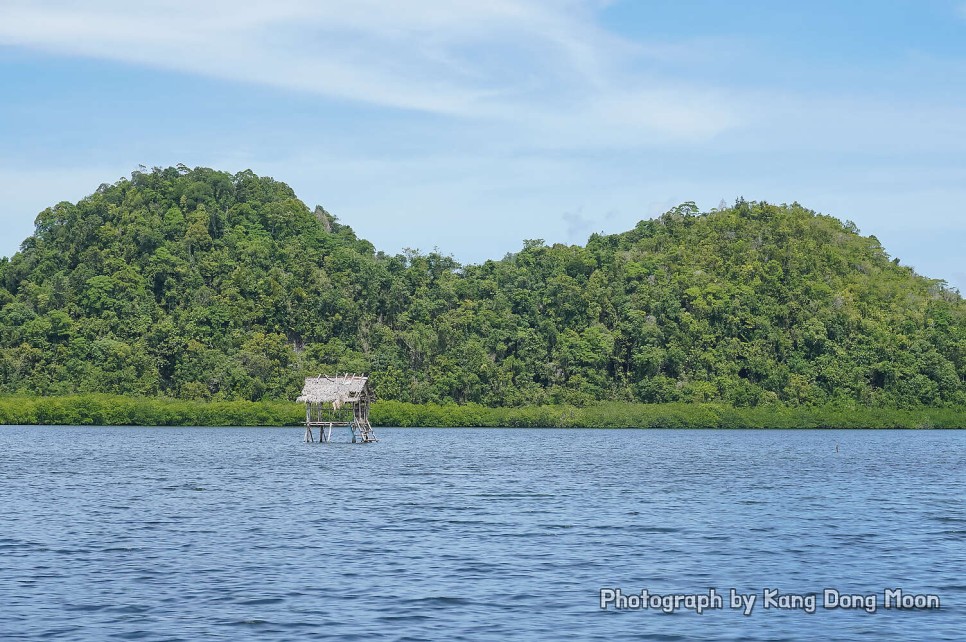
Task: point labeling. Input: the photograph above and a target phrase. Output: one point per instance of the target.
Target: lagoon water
(249, 534)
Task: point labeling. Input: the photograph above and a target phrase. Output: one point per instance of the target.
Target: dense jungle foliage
(203, 285)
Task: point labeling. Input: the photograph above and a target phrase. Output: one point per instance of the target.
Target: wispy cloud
(577, 224)
(490, 60)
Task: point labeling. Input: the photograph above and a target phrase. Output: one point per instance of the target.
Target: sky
(469, 126)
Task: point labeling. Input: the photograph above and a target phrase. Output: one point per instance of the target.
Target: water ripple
(248, 534)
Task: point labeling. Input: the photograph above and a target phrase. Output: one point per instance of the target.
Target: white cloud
(578, 225)
(492, 61)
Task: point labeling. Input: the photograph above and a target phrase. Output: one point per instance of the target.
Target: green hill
(200, 284)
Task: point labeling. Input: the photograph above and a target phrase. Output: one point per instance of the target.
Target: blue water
(249, 534)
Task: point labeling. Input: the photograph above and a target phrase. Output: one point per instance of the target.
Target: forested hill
(201, 284)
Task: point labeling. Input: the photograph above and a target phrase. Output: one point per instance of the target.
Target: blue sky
(470, 126)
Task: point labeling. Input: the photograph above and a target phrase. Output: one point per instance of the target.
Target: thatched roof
(339, 390)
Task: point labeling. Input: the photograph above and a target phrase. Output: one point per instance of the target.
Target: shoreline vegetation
(114, 410)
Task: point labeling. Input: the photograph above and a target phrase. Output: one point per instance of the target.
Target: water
(248, 534)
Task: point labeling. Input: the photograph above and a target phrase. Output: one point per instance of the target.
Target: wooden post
(308, 425)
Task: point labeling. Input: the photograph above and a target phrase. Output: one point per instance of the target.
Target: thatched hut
(338, 401)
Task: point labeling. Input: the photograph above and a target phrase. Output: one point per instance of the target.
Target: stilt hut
(338, 401)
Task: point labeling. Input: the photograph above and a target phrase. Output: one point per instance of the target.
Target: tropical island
(197, 297)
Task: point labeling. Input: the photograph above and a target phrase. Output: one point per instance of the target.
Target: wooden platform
(360, 432)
